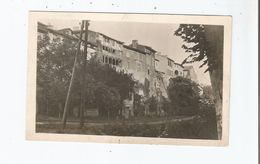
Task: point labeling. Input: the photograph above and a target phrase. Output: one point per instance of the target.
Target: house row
(148, 66)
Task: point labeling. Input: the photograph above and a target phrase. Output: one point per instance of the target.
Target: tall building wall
(143, 62)
(134, 62)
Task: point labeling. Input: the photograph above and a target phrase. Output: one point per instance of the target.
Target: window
(106, 60)
(110, 61)
(138, 66)
(169, 63)
(106, 40)
(103, 60)
(148, 60)
(130, 96)
(156, 63)
(148, 71)
(176, 72)
(114, 62)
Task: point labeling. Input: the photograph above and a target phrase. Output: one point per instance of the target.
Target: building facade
(149, 68)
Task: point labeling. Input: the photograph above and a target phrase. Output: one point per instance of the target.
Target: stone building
(149, 68)
(167, 68)
(148, 62)
(189, 72)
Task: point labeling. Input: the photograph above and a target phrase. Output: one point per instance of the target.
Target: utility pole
(83, 90)
(64, 117)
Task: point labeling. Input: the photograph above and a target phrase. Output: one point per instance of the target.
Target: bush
(184, 96)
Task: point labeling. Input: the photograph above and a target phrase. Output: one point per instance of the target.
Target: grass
(197, 128)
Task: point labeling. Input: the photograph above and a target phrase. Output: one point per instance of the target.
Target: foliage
(198, 46)
(105, 87)
(146, 87)
(184, 96)
(205, 44)
(138, 105)
(166, 106)
(152, 104)
(108, 100)
(54, 65)
(191, 129)
(121, 81)
(208, 93)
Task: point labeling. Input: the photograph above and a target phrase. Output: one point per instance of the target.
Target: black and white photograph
(122, 77)
(117, 81)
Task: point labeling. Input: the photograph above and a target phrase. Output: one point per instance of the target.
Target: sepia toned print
(129, 78)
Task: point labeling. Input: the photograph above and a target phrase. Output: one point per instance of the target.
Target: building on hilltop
(167, 68)
(149, 68)
(148, 60)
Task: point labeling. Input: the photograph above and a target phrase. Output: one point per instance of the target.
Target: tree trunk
(215, 38)
(37, 108)
(217, 92)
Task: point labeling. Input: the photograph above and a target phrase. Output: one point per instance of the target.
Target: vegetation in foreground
(196, 128)
(106, 90)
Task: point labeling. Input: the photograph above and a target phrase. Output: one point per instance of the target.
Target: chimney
(134, 43)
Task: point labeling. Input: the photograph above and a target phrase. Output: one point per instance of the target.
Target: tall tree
(205, 44)
(54, 63)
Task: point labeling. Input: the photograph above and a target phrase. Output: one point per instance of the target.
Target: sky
(159, 36)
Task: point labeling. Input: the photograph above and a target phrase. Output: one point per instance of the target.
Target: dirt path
(135, 122)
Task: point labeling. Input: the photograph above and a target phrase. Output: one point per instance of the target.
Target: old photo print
(128, 78)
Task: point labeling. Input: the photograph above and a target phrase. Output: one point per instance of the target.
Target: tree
(54, 63)
(166, 106)
(120, 81)
(108, 100)
(205, 44)
(184, 96)
(152, 104)
(105, 87)
(138, 105)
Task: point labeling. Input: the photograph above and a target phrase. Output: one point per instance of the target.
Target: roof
(64, 29)
(120, 42)
(41, 24)
(170, 59)
(43, 28)
(149, 48)
(188, 67)
(141, 47)
(111, 38)
(175, 62)
(134, 49)
(179, 64)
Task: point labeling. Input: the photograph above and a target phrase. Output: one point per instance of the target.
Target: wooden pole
(64, 117)
(83, 100)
